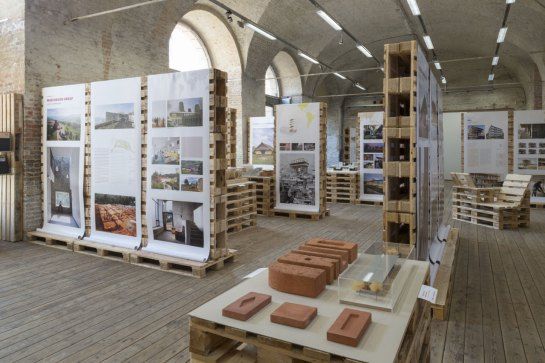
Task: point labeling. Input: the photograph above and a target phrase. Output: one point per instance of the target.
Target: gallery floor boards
(73, 307)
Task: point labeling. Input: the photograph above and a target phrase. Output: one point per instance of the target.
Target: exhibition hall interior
(272, 181)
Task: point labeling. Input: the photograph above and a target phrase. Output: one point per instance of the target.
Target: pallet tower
(400, 69)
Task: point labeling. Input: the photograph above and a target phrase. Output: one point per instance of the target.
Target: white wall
(452, 143)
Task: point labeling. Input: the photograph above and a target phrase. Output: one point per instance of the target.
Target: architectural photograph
(272, 181)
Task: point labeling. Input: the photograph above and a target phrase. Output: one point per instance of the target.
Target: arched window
(186, 50)
(271, 83)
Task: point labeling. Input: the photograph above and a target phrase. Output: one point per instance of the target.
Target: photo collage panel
(531, 147)
(183, 112)
(177, 163)
(373, 155)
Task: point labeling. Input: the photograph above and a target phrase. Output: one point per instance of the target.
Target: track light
(339, 75)
(495, 60)
(427, 40)
(510, 1)
(341, 39)
(414, 7)
(332, 23)
(309, 58)
(260, 31)
(229, 16)
(491, 77)
(501, 35)
(364, 50)
(443, 80)
(437, 65)
(359, 86)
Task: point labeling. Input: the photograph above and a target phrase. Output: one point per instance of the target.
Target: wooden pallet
(537, 205)
(370, 202)
(241, 206)
(399, 227)
(444, 279)
(51, 240)
(299, 215)
(264, 186)
(102, 250)
(179, 266)
(342, 186)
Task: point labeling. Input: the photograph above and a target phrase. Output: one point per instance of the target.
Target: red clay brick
(311, 261)
(349, 327)
(298, 280)
(350, 247)
(334, 258)
(294, 315)
(246, 306)
(342, 254)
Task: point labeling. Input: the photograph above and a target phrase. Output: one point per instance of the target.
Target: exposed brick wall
(12, 46)
(59, 52)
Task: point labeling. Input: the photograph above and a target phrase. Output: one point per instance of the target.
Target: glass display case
(376, 279)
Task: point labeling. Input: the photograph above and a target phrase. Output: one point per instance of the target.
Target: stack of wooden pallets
(264, 186)
(342, 186)
(232, 137)
(399, 135)
(499, 208)
(241, 206)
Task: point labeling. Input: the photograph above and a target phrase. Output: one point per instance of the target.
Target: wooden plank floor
(61, 306)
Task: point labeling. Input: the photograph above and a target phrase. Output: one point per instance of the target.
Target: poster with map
(178, 169)
(297, 157)
(116, 162)
(63, 137)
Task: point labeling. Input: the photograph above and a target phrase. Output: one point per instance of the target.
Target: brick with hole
(311, 261)
(350, 247)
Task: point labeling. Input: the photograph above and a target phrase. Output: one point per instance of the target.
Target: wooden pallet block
(178, 265)
(51, 240)
(299, 215)
(444, 279)
(102, 250)
(370, 202)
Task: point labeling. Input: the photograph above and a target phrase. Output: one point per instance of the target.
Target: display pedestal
(402, 335)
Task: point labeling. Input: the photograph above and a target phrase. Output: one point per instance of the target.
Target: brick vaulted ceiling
(459, 29)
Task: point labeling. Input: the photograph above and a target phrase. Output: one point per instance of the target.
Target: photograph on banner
(178, 197)
(116, 162)
(371, 156)
(262, 142)
(485, 142)
(297, 159)
(529, 150)
(64, 141)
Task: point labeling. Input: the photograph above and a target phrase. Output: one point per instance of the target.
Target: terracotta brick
(294, 315)
(298, 280)
(334, 258)
(311, 261)
(349, 327)
(350, 247)
(342, 254)
(246, 306)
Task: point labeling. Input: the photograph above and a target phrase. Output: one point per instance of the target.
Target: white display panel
(529, 150)
(262, 142)
(485, 142)
(116, 162)
(63, 137)
(371, 156)
(178, 165)
(298, 157)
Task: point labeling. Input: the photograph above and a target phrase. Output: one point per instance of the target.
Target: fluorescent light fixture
(329, 20)
(491, 77)
(443, 80)
(437, 65)
(495, 60)
(364, 50)
(427, 40)
(359, 86)
(510, 1)
(339, 75)
(414, 7)
(260, 31)
(309, 58)
(3, 20)
(501, 35)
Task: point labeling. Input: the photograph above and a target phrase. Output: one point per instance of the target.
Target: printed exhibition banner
(371, 156)
(423, 149)
(178, 167)
(116, 162)
(529, 150)
(485, 142)
(298, 157)
(262, 142)
(63, 137)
